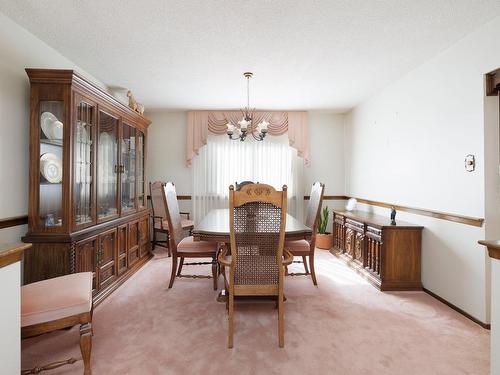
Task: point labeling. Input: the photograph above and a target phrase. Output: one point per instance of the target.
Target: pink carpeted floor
(343, 326)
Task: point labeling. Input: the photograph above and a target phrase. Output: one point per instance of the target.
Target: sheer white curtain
(223, 162)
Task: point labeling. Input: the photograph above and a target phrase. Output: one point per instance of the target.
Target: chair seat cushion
(186, 224)
(188, 245)
(298, 247)
(56, 298)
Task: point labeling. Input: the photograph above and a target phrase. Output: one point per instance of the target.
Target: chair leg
(214, 271)
(304, 260)
(167, 244)
(174, 268)
(230, 321)
(281, 320)
(313, 272)
(181, 263)
(86, 346)
(154, 238)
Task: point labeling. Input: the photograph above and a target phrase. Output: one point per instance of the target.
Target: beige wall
(407, 145)
(18, 50)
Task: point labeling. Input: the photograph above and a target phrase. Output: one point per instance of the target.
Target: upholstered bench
(58, 303)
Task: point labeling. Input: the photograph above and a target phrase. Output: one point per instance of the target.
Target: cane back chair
(304, 248)
(160, 223)
(257, 234)
(185, 247)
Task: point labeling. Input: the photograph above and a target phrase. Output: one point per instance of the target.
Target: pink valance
(199, 123)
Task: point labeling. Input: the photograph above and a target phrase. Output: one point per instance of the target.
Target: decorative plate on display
(51, 168)
(51, 126)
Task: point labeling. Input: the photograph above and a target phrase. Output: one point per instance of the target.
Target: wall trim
(474, 221)
(458, 309)
(13, 221)
(467, 220)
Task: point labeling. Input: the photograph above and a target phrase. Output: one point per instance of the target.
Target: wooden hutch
(388, 256)
(87, 194)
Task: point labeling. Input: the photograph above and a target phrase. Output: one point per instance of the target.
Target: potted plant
(324, 239)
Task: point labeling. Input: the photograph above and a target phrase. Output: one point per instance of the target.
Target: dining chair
(257, 216)
(305, 248)
(185, 247)
(57, 303)
(160, 224)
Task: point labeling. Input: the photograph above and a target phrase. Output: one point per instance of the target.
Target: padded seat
(298, 247)
(56, 298)
(188, 245)
(186, 224)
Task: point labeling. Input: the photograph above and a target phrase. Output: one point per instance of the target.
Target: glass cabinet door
(141, 197)
(50, 208)
(83, 162)
(127, 168)
(107, 166)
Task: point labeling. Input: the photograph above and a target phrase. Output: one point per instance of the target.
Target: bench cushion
(56, 298)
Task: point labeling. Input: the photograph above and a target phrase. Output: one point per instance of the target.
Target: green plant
(323, 220)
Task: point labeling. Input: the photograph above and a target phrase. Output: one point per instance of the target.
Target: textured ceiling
(304, 54)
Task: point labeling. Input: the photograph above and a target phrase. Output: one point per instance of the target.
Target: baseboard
(458, 309)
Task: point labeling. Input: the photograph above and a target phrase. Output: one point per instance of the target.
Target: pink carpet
(343, 326)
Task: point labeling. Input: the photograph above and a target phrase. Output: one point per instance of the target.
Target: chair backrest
(257, 233)
(241, 184)
(173, 215)
(157, 203)
(314, 208)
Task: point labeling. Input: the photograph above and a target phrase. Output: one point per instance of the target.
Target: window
(223, 162)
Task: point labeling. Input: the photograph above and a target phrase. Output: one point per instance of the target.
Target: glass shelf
(53, 142)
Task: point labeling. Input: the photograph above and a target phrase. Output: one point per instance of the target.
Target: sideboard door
(107, 258)
(133, 243)
(122, 249)
(86, 259)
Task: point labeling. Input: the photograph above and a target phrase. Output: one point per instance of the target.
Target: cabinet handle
(122, 169)
(117, 168)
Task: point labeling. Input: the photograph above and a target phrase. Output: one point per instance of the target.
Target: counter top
(11, 253)
(377, 221)
(493, 248)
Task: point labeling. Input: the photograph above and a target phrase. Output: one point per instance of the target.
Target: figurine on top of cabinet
(132, 103)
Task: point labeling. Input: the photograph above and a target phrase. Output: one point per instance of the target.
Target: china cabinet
(87, 203)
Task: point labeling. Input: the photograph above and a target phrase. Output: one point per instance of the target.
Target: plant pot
(324, 241)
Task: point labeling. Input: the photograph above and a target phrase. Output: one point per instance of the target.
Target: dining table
(215, 227)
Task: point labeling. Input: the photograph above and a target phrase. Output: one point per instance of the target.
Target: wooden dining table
(215, 227)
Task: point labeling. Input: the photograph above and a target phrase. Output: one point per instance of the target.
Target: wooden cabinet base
(98, 298)
(105, 251)
(373, 279)
(388, 256)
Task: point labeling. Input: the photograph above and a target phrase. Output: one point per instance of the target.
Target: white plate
(51, 167)
(51, 126)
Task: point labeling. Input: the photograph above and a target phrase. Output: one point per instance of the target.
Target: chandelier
(246, 125)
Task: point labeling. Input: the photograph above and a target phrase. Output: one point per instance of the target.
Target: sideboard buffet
(388, 256)
(87, 194)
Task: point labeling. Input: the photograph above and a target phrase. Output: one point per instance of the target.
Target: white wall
(495, 317)
(18, 50)
(407, 145)
(167, 153)
(10, 319)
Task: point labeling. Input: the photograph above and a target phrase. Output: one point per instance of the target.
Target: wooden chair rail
(13, 221)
